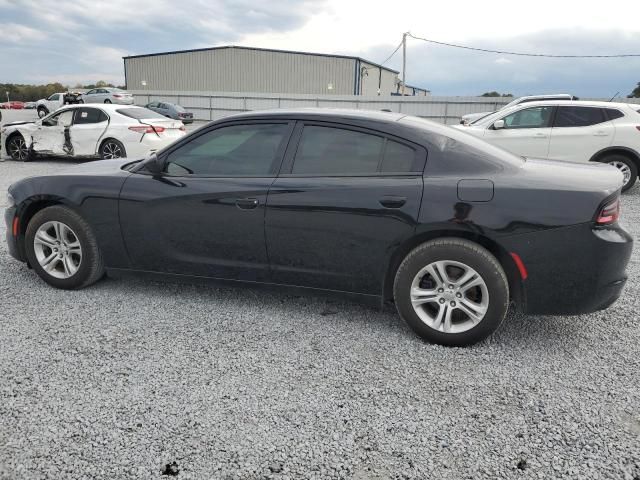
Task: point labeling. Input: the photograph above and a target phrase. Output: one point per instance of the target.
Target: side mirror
(498, 124)
(154, 165)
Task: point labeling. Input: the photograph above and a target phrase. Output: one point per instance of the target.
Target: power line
(392, 54)
(520, 54)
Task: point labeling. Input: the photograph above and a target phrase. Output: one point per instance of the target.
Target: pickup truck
(47, 105)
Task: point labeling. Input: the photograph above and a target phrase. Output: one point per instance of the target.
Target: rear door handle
(600, 134)
(247, 203)
(540, 135)
(393, 201)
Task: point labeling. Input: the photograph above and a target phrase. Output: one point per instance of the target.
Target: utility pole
(404, 60)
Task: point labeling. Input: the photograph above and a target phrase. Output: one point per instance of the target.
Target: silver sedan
(108, 95)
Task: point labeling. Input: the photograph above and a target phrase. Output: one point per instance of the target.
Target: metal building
(257, 70)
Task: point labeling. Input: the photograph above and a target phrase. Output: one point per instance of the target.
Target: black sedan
(377, 205)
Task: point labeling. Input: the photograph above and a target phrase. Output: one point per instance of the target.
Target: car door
(526, 132)
(49, 136)
(89, 125)
(90, 96)
(205, 215)
(53, 102)
(579, 132)
(345, 199)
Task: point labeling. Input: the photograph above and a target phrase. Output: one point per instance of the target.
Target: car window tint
(534, 117)
(89, 115)
(578, 117)
(613, 113)
(398, 157)
(230, 151)
(55, 96)
(335, 151)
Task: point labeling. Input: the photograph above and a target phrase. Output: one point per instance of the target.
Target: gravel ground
(125, 378)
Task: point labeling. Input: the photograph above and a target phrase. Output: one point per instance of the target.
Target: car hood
(15, 124)
(98, 167)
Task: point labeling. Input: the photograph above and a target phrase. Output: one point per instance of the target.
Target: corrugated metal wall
(215, 105)
(371, 76)
(242, 70)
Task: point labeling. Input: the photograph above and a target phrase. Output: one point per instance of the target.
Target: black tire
(633, 168)
(91, 267)
(16, 148)
(111, 147)
(471, 255)
(80, 101)
(107, 101)
(42, 112)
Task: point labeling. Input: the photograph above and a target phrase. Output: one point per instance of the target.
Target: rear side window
(337, 151)
(89, 115)
(578, 117)
(613, 113)
(138, 113)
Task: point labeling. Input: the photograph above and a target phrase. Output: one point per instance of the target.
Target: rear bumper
(572, 270)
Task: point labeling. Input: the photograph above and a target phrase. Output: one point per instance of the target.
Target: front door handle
(247, 203)
(393, 201)
(540, 135)
(600, 134)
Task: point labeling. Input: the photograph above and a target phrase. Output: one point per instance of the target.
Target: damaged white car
(105, 131)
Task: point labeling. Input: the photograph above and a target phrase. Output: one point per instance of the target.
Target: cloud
(71, 40)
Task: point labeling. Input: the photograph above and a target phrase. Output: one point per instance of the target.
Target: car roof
(107, 107)
(578, 103)
(320, 113)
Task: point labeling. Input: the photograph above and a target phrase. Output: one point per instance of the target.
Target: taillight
(117, 95)
(16, 226)
(146, 129)
(609, 213)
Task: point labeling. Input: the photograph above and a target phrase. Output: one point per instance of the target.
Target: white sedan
(578, 131)
(90, 131)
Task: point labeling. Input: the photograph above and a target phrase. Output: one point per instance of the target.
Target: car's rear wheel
(62, 249)
(42, 112)
(17, 147)
(626, 166)
(112, 148)
(451, 291)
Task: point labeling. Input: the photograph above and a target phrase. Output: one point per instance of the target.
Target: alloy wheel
(111, 150)
(624, 169)
(449, 296)
(57, 249)
(18, 148)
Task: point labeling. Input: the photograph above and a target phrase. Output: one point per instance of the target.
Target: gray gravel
(125, 378)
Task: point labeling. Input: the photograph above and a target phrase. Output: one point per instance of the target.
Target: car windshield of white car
(138, 113)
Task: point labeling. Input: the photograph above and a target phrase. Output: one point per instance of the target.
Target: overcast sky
(73, 41)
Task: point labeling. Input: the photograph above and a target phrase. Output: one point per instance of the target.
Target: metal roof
(262, 50)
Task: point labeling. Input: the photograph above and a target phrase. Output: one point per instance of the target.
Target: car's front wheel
(107, 101)
(62, 249)
(451, 291)
(626, 166)
(42, 112)
(17, 148)
(112, 148)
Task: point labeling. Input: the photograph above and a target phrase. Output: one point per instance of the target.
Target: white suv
(578, 131)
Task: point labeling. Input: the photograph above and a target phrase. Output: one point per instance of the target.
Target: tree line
(31, 93)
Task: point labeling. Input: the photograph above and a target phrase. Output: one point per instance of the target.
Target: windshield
(139, 113)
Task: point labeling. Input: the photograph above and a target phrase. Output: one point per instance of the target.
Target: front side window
(89, 115)
(54, 97)
(63, 118)
(578, 117)
(236, 150)
(534, 117)
(91, 92)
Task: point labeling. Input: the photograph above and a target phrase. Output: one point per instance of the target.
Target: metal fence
(215, 105)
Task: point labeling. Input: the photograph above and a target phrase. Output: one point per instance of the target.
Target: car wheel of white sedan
(112, 149)
(17, 148)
